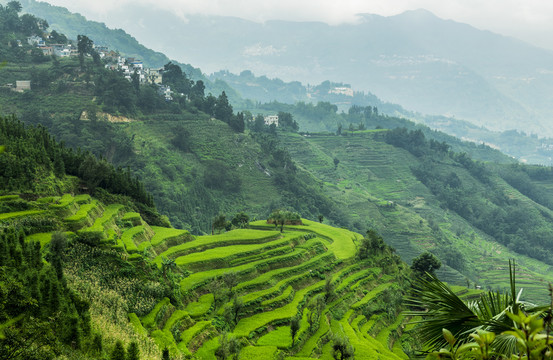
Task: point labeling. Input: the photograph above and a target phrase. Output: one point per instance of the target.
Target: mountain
(416, 59)
(245, 87)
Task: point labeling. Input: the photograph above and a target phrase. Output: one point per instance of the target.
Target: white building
(271, 119)
(342, 91)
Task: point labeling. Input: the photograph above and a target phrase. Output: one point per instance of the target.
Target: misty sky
(528, 20)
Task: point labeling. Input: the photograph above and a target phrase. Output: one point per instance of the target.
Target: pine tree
(118, 352)
(133, 352)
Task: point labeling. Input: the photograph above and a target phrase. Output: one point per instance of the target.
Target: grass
(127, 238)
(18, 214)
(84, 215)
(342, 240)
(64, 201)
(247, 325)
(133, 217)
(200, 307)
(278, 275)
(110, 212)
(286, 271)
(165, 340)
(44, 238)
(285, 295)
(281, 336)
(258, 352)
(176, 316)
(9, 197)
(149, 320)
(207, 350)
(384, 335)
(238, 236)
(371, 295)
(225, 253)
(167, 235)
(199, 278)
(188, 335)
(137, 325)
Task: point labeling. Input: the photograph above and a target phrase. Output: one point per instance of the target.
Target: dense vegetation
(84, 279)
(481, 201)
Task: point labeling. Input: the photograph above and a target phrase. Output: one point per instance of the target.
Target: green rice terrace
(255, 293)
(375, 181)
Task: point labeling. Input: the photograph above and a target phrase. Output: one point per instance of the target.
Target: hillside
(273, 95)
(463, 211)
(246, 89)
(243, 287)
(196, 158)
(121, 283)
(426, 64)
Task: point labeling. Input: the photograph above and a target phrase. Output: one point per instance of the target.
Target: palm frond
(443, 309)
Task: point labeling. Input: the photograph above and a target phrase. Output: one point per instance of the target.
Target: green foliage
(445, 310)
(425, 263)
(133, 352)
(118, 352)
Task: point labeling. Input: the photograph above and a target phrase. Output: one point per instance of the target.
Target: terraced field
(247, 284)
(374, 181)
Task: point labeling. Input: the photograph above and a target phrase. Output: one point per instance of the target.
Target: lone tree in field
(426, 263)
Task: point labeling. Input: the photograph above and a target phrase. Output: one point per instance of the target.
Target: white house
(271, 119)
(342, 91)
(22, 85)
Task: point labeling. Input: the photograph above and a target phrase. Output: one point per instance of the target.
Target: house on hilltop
(271, 119)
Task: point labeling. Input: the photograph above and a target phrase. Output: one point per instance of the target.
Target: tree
(223, 109)
(341, 347)
(441, 308)
(219, 223)
(294, 327)
(426, 263)
(237, 306)
(84, 47)
(182, 138)
(241, 220)
(133, 352)
(259, 123)
(230, 279)
(57, 250)
(228, 345)
(14, 6)
(118, 352)
(167, 265)
(329, 289)
(280, 217)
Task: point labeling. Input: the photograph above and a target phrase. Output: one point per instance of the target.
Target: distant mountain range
(415, 59)
(494, 101)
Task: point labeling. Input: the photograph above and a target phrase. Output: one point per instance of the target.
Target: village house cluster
(115, 62)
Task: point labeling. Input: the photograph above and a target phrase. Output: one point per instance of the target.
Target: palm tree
(440, 308)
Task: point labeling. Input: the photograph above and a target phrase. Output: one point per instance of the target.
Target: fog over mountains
(416, 59)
